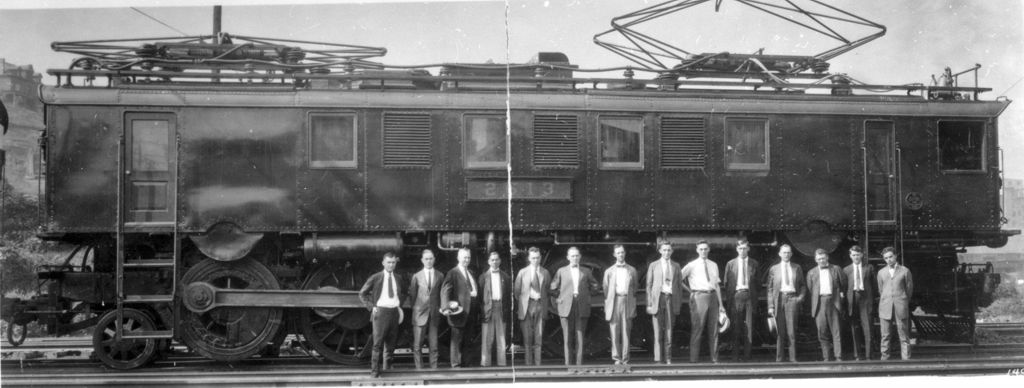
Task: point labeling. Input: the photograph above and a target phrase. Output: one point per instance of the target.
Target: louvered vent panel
(406, 139)
(682, 143)
(556, 141)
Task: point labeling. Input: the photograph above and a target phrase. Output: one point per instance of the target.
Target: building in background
(19, 86)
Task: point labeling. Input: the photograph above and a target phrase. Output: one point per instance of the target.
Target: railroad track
(1003, 328)
(301, 371)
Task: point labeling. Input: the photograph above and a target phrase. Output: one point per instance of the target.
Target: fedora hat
(453, 308)
(723, 322)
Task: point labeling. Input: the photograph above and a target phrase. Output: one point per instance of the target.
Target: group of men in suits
(464, 300)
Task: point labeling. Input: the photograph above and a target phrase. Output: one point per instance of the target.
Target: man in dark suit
(572, 286)
(742, 289)
(860, 297)
(460, 287)
(701, 281)
(826, 284)
(531, 290)
(494, 292)
(426, 303)
(620, 284)
(664, 299)
(895, 288)
(383, 294)
(786, 290)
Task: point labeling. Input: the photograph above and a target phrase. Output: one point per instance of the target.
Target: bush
(1007, 307)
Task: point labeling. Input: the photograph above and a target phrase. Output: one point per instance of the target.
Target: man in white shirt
(383, 294)
(425, 290)
(742, 290)
(700, 279)
(494, 287)
(860, 298)
(572, 286)
(786, 290)
(459, 286)
(620, 283)
(664, 299)
(531, 288)
(895, 288)
(826, 283)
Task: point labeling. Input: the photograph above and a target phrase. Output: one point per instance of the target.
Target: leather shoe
(374, 374)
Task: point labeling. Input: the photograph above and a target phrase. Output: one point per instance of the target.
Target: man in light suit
(664, 299)
(827, 284)
(701, 280)
(425, 290)
(742, 290)
(572, 286)
(383, 294)
(620, 284)
(459, 286)
(895, 288)
(786, 290)
(531, 289)
(494, 296)
(860, 298)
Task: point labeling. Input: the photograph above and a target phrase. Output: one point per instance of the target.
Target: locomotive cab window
(961, 145)
(485, 143)
(621, 142)
(746, 144)
(332, 140)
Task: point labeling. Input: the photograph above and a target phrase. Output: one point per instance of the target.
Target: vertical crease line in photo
(508, 168)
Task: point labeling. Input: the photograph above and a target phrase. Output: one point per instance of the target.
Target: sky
(922, 38)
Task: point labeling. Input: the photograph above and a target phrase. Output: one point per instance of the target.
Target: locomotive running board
(200, 297)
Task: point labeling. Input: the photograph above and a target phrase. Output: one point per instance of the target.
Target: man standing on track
(826, 284)
(664, 299)
(458, 291)
(786, 290)
(700, 279)
(531, 288)
(383, 294)
(426, 303)
(742, 290)
(494, 287)
(572, 286)
(860, 297)
(895, 288)
(620, 284)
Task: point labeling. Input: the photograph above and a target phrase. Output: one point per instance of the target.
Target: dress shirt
(472, 283)
(857, 278)
(495, 285)
(892, 271)
(621, 280)
(385, 301)
(703, 275)
(535, 283)
(575, 272)
(430, 276)
(825, 285)
(741, 277)
(666, 270)
(787, 279)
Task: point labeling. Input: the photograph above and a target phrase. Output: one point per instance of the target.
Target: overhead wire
(158, 21)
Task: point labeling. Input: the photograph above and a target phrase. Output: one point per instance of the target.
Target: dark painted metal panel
(811, 161)
(82, 168)
(619, 198)
(682, 198)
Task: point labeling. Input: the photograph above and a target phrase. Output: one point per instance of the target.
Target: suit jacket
(895, 292)
(867, 274)
(562, 287)
(426, 298)
(457, 287)
(485, 293)
(521, 290)
(374, 286)
(655, 278)
(775, 283)
(732, 279)
(838, 285)
(609, 291)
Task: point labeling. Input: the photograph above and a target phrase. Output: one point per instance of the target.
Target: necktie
(666, 273)
(742, 275)
(785, 274)
(469, 277)
(706, 275)
(391, 286)
(857, 279)
(535, 283)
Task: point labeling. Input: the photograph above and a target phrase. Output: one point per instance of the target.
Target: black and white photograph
(267, 193)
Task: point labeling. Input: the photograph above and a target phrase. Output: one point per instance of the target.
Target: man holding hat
(457, 293)
(383, 295)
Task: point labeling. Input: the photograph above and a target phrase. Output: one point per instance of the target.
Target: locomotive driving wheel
(340, 335)
(126, 353)
(231, 333)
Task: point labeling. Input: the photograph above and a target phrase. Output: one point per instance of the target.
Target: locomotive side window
(485, 145)
(746, 144)
(621, 142)
(332, 140)
(149, 145)
(961, 145)
(556, 141)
